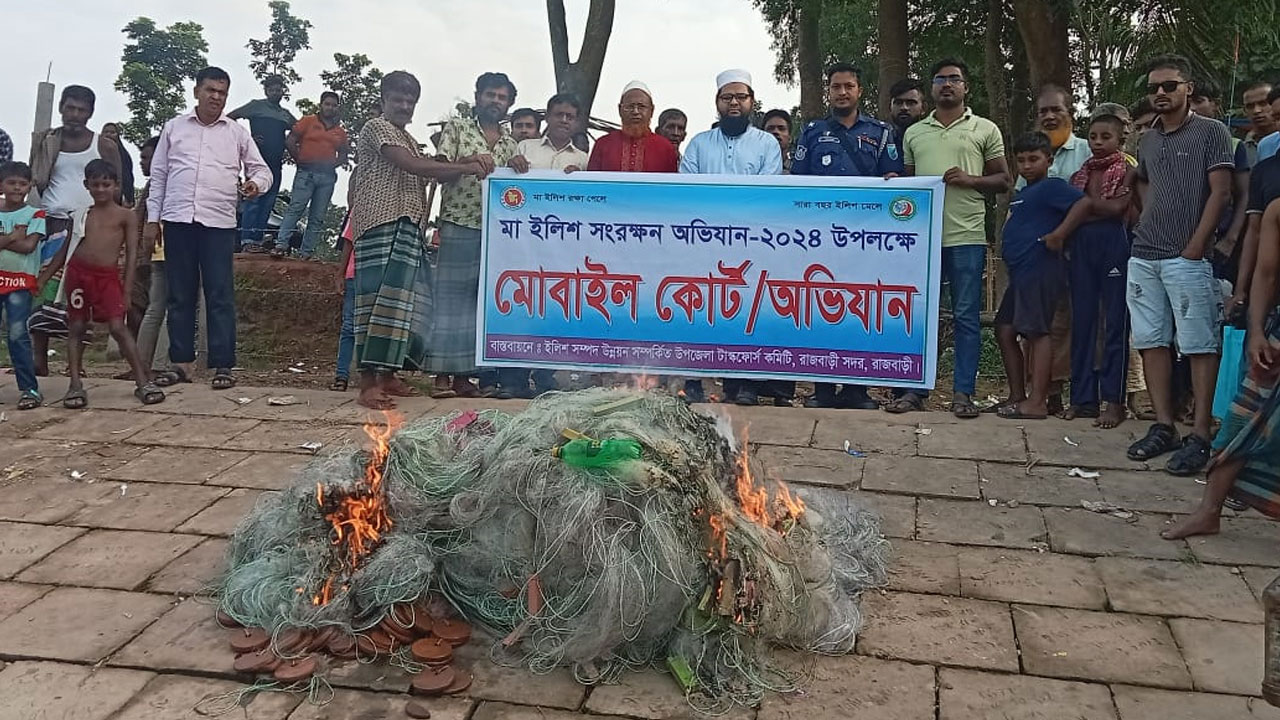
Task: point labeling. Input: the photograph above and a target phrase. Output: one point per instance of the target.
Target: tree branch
(559, 42)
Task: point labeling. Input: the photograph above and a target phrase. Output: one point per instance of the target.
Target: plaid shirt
(6, 147)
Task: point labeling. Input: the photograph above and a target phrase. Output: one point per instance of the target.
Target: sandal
(222, 380)
(173, 376)
(1011, 412)
(75, 399)
(339, 384)
(1160, 439)
(463, 388)
(964, 408)
(30, 400)
(909, 402)
(149, 394)
(1191, 458)
(441, 390)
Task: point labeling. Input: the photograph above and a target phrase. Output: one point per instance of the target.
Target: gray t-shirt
(1176, 166)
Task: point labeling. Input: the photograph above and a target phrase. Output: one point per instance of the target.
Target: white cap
(733, 76)
(637, 85)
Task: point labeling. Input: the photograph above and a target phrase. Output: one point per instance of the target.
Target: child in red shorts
(92, 279)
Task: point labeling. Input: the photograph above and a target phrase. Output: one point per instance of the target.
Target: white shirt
(1066, 160)
(543, 155)
(196, 169)
(67, 192)
(754, 152)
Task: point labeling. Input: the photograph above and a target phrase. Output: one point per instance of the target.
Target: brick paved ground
(1007, 599)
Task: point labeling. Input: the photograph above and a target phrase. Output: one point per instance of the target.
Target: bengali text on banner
(823, 279)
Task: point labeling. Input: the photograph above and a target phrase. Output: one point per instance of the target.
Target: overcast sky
(676, 46)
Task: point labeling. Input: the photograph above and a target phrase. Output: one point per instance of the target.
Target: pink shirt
(351, 257)
(196, 168)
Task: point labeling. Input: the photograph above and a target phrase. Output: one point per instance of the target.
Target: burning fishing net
(600, 530)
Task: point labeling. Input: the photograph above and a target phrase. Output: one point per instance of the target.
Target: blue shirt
(874, 151)
(1268, 145)
(1035, 211)
(754, 152)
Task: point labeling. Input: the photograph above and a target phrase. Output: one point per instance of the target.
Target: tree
(275, 55)
(358, 83)
(1044, 26)
(157, 65)
(581, 77)
(892, 39)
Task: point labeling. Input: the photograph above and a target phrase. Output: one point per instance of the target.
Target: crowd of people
(1128, 248)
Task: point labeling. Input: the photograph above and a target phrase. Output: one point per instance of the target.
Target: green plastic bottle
(587, 453)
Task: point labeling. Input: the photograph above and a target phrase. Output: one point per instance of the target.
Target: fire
(755, 501)
(360, 519)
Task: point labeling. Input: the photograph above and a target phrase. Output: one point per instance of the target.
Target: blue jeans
(347, 338)
(963, 266)
(314, 187)
(16, 306)
(255, 213)
(196, 256)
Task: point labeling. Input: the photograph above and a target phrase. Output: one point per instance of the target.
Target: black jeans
(196, 255)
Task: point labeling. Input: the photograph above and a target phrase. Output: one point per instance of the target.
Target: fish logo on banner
(513, 198)
(902, 208)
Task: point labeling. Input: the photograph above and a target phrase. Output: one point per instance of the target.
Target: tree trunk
(581, 77)
(892, 42)
(1044, 34)
(994, 67)
(809, 60)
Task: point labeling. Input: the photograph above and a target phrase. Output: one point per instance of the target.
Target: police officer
(845, 143)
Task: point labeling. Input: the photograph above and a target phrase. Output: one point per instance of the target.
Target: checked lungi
(392, 309)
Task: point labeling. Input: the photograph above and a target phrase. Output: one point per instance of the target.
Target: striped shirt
(1176, 166)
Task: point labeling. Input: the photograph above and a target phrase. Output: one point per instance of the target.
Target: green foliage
(358, 83)
(275, 55)
(157, 65)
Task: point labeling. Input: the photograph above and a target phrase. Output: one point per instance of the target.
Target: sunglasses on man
(1167, 86)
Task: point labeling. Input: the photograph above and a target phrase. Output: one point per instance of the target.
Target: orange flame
(360, 519)
(754, 499)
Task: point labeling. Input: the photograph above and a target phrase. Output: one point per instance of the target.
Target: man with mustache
(636, 147)
(906, 107)
(673, 125)
(476, 138)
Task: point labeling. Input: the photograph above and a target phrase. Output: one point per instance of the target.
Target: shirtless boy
(94, 289)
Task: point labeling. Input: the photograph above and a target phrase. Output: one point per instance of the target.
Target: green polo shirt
(968, 143)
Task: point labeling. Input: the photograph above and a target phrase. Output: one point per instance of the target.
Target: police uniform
(868, 149)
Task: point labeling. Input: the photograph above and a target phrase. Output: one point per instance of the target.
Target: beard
(734, 125)
(1059, 136)
(843, 112)
(634, 131)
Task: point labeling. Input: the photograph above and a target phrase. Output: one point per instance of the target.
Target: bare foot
(1079, 411)
(1025, 410)
(375, 399)
(393, 385)
(1197, 524)
(1110, 417)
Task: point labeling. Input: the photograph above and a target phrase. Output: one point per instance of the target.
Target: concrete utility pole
(44, 107)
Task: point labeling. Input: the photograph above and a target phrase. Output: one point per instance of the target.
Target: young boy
(21, 229)
(1041, 216)
(1098, 269)
(94, 290)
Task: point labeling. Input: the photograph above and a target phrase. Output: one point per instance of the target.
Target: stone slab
(24, 544)
(1082, 532)
(177, 465)
(557, 689)
(785, 426)
(897, 513)
(1102, 647)
(999, 439)
(977, 523)
(865, 433)
(263, 471)
(650, 695)
(32, 498)
(187, 638)
(93, 425)
(222, 517)
(376, 676)
(195, 432)
(504, 711)
(1153, 492)
(116, 559)
(1036, 578)
(937, 629)
(1095, 448)
(1177, 589)
(195, 572)
(1140, 703)
(352, 414)
(1259, 578)
(968, 695)
(308, 405)
(15, 596)
(1223, 657)
(57, 691)
(923, 477)
(111, 619)
(158, 507)
(810, 467)
(173, 697)
(1039, 486)
(355, 705)
(924, 567)
(1243, 541)
(857, 687)
(289, 437)
(193, 399)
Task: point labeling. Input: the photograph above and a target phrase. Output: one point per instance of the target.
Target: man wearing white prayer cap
(735, 147)
(634, 148)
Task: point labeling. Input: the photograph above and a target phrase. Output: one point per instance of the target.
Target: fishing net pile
(600, 530)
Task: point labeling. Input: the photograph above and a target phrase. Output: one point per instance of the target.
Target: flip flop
(75, 399)
(222, 380)
(173, 376)
(30, 400)
(909, 402)
(1011, 412)
(149, 394)
(339, 384)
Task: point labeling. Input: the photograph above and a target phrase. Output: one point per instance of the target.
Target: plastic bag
(1231, 370)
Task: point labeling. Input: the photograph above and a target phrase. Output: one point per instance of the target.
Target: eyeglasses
(1168, 86)
(636, 107)
(730, 97)
(948, 80)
